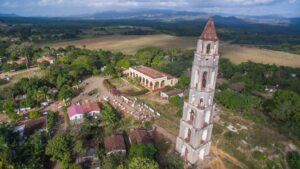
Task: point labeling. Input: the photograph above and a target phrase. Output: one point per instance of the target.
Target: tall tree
(60, 148)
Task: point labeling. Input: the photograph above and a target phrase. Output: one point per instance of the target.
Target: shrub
(34, 114)
(293, 160)
(176, 101)
(51, 121)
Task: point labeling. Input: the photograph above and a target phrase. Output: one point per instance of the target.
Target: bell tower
(194, 138)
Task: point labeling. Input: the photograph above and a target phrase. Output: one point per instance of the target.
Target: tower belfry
(196, 124)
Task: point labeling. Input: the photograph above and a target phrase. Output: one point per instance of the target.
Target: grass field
(252, 145)
(16, 76)
(129, 44)
(238, 54)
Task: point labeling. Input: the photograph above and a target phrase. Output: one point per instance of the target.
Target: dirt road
(10, 74)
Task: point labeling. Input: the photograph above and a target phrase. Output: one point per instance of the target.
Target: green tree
(86, 62)
(176, 101)
(174, 162)
(123, 63)
(32, 152)
(74, 166)
(141, 163)
(9, 108)
(44, 65)
(79, 147)
(60, 148)
(65, 92)
(8, 143)
(113, 161)
(183, 81)
(142, 150)
(34, 114)
(51, 121)
(286, 106)
(293, 159)
(109, 115)
(146, 55)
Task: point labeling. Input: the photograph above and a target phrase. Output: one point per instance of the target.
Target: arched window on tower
(191, 116)
(208, 48)
(201, 103)
(204, 79)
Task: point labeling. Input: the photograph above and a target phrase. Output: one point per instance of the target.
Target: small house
(90, 107)
(19, 61)
(115, 144)
(77, 111)
(270, 88)
(141, 136)
(167, 94)
(28, 127)
(48, 59)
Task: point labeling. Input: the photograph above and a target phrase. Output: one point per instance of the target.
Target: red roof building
(19, 61)
(115, 144)
(170, 93)
(77, 111)
(90, 107)
(151, 78)
(42, 59)
(141, 136)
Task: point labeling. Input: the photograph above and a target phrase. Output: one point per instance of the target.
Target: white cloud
(69, 7)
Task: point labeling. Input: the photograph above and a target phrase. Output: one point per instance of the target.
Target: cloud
(69, 7)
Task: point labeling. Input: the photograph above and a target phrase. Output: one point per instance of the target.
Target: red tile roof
(140, 136)
(151, 72)
(209, 32)
(20, 60)
(114, 142)
(89, 106)
(45, 59)
(173, 92)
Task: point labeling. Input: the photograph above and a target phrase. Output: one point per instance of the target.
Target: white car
(106, 98)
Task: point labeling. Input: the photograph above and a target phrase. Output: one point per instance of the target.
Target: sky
(287, 8)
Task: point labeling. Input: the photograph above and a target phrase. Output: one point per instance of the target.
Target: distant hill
(8, 15)
(171, 15)
(149, 15)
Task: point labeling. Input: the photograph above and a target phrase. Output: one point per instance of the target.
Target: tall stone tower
(196, 124)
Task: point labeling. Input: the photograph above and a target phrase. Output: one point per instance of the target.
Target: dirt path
(166, 134)
(2, 75)
(220, 154)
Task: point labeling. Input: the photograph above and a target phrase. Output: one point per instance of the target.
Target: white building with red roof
(77, 111)
(151, 78)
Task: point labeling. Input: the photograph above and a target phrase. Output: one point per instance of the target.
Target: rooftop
(173, 92)
(45, 58)
(114, 142)
(89, 106)
(75, 109)
(151, 72)
(209, 32)
(140, 136)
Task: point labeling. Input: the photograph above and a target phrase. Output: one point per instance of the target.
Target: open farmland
(129, 44)
(238, 54)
